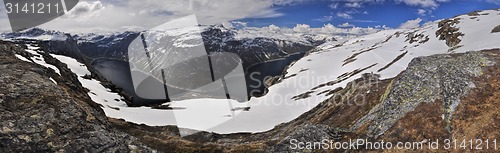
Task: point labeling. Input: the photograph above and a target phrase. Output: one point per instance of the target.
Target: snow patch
(22, 58)
(51, 79)
(198, 114)
(38, 58)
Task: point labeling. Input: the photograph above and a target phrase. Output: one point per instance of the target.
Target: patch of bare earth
(422, 124)
(164, 138)
(478, 116)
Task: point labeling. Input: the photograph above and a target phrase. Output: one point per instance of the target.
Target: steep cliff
(47, 110)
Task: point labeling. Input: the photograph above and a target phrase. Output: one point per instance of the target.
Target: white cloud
(287, 2)
(324, 19)
(86, 10)
(421, 12)
(410, 24)
(301, 28)
(327, 29)
(344, 15)
(116, 15)
(228, 25)
(422, 3)
(353, 5)
(365, 21)
(347, 24)
(493, 1)
(419, 3)
(334, 6)
(382, 27)
(239, 24)
(273, 27)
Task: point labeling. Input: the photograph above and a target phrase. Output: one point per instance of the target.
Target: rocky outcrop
(444, 77)
(496, 29)
(448, 32)
(39, 115)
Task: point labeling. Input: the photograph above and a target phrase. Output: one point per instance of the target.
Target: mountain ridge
(432, 82)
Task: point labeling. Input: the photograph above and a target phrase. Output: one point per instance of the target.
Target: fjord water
(118, 72)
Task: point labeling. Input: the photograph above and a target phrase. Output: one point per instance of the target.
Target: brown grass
(478, 116)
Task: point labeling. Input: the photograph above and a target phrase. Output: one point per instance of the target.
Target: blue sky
(363, 14)
(137, 15)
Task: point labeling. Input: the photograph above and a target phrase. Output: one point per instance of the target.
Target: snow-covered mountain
(304, 33)
(254, 45)
(56, 42)
(332, 65)
(36, 34)
(309, 81)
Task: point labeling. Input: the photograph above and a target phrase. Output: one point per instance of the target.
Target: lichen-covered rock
(444, 77)
(38, 115)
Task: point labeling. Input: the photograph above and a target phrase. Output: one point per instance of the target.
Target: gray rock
(40, 116)
(444, 77)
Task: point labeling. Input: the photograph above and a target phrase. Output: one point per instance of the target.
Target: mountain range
(435, 82)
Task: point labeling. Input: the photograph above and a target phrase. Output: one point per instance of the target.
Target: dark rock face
(496, 29)
(252, 51)
(67, 47)
(99, 46)
(449, 33)
(41, 116)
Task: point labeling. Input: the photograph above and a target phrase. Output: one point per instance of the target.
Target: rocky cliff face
(256, 49)
(43, 111)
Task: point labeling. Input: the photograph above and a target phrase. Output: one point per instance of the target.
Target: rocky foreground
(437, 97)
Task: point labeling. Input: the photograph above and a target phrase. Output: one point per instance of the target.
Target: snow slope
(37, 58)
(198, 114)
(386, 53)
(303, 33)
